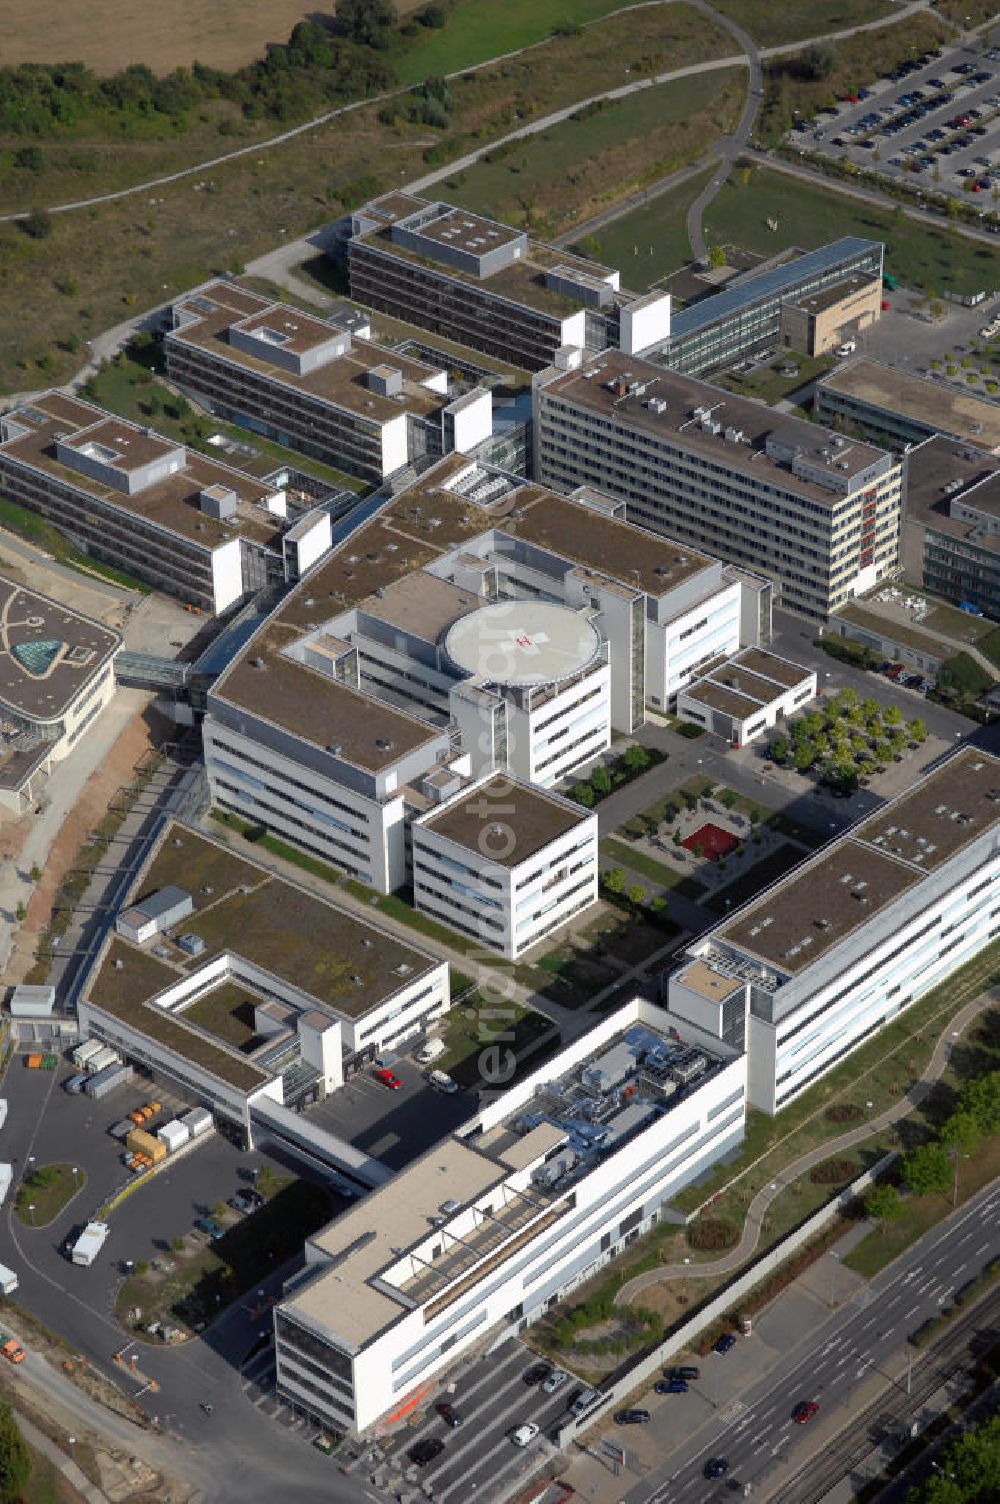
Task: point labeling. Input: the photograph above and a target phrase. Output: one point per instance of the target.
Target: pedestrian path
(758, 1208)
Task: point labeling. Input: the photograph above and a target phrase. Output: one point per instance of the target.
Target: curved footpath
(757, 1210)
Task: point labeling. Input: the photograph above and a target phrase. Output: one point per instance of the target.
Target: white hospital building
(474, 623)
(488, 1230)
(823, 959)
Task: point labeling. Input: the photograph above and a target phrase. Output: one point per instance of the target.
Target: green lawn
(625, 855)
(481, 29)
(768, 385)
(559, 168)
(809, 216)
(486, 1037)
(47, 1189)
(771, 22)
(649, 243)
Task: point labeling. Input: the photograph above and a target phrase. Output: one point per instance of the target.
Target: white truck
(8, 1280)
(6, 1176)
(3, 1111)
(90, 1242)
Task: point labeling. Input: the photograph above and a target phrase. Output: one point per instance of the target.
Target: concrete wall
(651, 1363)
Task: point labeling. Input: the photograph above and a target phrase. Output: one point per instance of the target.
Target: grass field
(567, 173)
(808, 215)
(47, 1190)
(478, 29)
(771, 22)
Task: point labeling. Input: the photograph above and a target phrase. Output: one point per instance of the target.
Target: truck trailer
(90, 1242)
(107, 1080)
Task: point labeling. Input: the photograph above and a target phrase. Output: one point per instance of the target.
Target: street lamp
(72, 1444)
(31, 1212)
(76, 1174)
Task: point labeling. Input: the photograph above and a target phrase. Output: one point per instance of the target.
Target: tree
(779, 749)
(728, 798)
(29, 159)
(917, 731)
(981, 1100)
(678, 839)
(927, 1169)
(636, 759)
(20, 913)
(968, 1470)
(367, 22)
(600, 780)
(892, 715)
(636, 895)
(15, 1459)
(583, 793)
(716, 255)
(614, 879)
(37, 224)
(817, 60)
(962, 1133)
(883, 1204)
(804, 756)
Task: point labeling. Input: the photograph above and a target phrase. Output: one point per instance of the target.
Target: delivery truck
(8, 1280)
(90, 1242)
(107, 1080)
(83, 1052)
(100, 1062)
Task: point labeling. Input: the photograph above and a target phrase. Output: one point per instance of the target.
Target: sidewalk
(59, 1460)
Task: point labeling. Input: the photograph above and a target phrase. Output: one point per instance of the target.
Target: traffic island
(45, 1192)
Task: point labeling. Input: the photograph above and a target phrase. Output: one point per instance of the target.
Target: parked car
(386, 1077)
(632, 1418)
(209, 1226)
(449, 1415)
(441, 1082)
(716, 1467)
(725, 1344)
(13, 1351)
(555, 1380)
(431, 1051)
(75, 1084)
(521, 1435)
(671, 1386)
(804, 1411)
(425, 1451)
(536, 1374)
(685, 1371)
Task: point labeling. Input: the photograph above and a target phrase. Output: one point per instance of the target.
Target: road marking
(911, 1311)
(982, 1248)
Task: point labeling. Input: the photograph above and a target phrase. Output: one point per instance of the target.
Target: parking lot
(937, 125)
(394, 1126)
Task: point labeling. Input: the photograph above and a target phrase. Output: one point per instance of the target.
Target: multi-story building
(488, 285)
(473, 623)
(505, 862)
(809, 303)
(485, 1233)
(315, 386)
(824, 958)
(747, 695)
(261, 998)
(181, 521)
(951, 528)
(819, 513)
(56, 676)
(894, 408)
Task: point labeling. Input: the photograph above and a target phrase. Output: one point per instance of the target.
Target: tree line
(345, 56)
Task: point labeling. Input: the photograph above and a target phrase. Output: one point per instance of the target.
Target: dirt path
(96, 795)
(757, 1210)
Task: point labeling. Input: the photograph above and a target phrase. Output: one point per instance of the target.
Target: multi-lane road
(833, 1365)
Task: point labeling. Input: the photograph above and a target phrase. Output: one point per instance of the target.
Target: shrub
(712, 1233)
(833, 1172)
(690, 730)
(843, 1112)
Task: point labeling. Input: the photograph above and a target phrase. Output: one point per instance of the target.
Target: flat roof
(710, 984)
(521, 643)
(172, 503)
(331, 954)
(829, 297)
(776, 280)
(521, 281)
(770, 666)
(594, 386)
(341, 381)
(368, 733)
(468, 231)
(717, 697)
(852, 880)
(129, 447)
(48, 652)
(934, 403)
(481, 817)
(422, 604)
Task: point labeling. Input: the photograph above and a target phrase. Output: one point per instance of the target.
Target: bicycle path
(737, 1257)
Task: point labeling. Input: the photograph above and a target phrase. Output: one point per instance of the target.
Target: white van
(431, 1051)
(441, 1082)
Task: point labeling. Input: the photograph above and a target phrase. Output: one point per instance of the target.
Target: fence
(647, 1364)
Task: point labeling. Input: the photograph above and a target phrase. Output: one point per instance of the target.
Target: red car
(805, 1411)
(388, 1078)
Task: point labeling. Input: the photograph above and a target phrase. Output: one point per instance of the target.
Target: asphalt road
(758, 1438)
